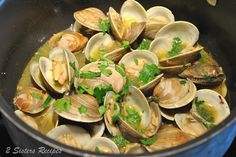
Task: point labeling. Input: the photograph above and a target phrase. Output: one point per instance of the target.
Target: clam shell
(169, 136)
(157, 17)
(70, 135)
(36, 75)
(134, 148)
(105, 145)
(216, 106)
(171, 93)
(88, 101)
(27, 119)
(90, 17)
(187, 123)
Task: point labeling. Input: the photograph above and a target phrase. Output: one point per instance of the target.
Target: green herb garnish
(102, 109)
(206, 75)
(182, 82)
(62, 105)
(202, 111)
(115, 118)
(46, 102)
(136, 61)
(120, 141)
(100, 92)
(125, 44)
(148, 73)
(82, 109)
(90, 75)
(120, 70)
(132, 117)
(36, 95)
(97, 150)
(104, 25)
(177, 47)
(84, 88)
(76, 72)
(106, 72)
(209, 125)
(150, 141)
(144, 45)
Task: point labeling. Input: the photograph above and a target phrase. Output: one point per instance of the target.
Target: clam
(130, 23)
(90, 17)
(36, 75)
(97, 129)
(31, 100)
(157, 17)
(173, 70)
(70, 135)
(113, 111)
(138, 119)
(169, 136)
(173, 93)
(134, 62)
(43, 121)
(101, 45)
(102, 145)
(56, 69)
(133, 148)
(72, 41)
(175, 43)
(187, 123)
(113, 79)
(204, 74)
(209, 107)
(83, 108)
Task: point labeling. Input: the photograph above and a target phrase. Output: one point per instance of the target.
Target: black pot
(27, 24)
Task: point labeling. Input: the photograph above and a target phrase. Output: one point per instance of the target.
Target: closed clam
(209, 107)
(172, 93)
(130, 23)
(157, 17)
(103, 45)
(137, 62)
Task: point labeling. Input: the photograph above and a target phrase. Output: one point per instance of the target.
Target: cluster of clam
(109, 97)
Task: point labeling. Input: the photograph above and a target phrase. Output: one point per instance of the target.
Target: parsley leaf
(133, 117)
(120, 141)
(104, 25)
(97, 150)
(148, 73)
(90, 75)
(149, 141)
(144, 45)
(202, 111)
(82, 109)
(102, 109)
(106, 72)
(115, 118)
(177, 47)
(125, 44)
(100, 92)
(120, 70)
(46, 102)
(62, 105)
(36, 95)
(209, 125)
(82, 88)
(77, 74)
(182, 81)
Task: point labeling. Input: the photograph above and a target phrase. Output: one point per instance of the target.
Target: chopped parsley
(100, 91)
(209, 125)
(120, 141)
(82, 88)
(102, 53)
(132, 117)
(120, 70)
(149, 72)
(102, 109)
(150, 141)
(125, 44)
(62, 105)
(182, 81)
(104, 25)
(46, 102)
(115, 118)
(136, 61)
(144, 45)
(76, 72)
(36, 95)
(177, 47)
(82, 109)
(206, 75)
(202, 111)
(90, 75)
(97, 150)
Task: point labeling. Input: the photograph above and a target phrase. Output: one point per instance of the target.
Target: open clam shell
(210, 107)
(102, 145)
(187, 123)
(169, 136)
(103, 45)
(130, 23)
(133, 148)
(70, 135)
(157, 17)
(36, 75)
(90, 105)
(174, 93)
(90, 17)
(116, 80)
(134, 62)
